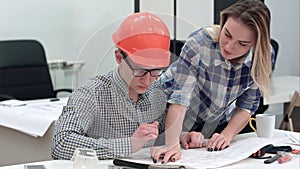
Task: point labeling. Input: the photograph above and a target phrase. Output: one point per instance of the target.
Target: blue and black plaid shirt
(207, 84)
(101, 116)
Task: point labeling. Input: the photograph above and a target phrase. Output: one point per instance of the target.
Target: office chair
(175, 49)
(275, 46)
(24, 72)
(287, 122)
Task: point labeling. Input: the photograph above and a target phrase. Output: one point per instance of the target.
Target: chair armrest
(62, 90)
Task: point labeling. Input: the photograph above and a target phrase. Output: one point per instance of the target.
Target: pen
(276, 157)
(54, 99)
(272, 159)
(119, 162)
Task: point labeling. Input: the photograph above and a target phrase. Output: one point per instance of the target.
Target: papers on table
(13, 103)
(201, 158)
(34, 118)
(294, 138)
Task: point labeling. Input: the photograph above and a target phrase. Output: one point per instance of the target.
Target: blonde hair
(256, 15)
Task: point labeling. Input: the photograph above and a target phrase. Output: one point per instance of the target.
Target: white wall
(285, 29)
(191, 14)
(64, 27)
(284, 25)
(81, 30)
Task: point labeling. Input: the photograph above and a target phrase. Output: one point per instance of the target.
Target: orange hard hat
(145, 38)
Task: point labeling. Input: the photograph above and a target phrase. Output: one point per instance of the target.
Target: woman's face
(236, 39)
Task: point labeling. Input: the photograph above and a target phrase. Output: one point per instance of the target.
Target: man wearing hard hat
(123, 111)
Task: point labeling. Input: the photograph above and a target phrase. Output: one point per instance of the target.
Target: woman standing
(215, 85)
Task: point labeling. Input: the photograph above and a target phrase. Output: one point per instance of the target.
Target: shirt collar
(219, 59)
(119, 84)
(248, 59)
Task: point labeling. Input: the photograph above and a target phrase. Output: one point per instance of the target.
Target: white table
(248, 163)
(19, 147)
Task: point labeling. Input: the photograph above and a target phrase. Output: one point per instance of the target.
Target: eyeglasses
(143, 72)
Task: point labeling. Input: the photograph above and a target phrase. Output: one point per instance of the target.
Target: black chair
(275, 46)
(24, 72)
(175, 49)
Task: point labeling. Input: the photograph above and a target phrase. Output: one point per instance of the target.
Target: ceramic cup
(265, 125)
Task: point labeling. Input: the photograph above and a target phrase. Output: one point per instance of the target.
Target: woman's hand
(167, 153)
(218, 142)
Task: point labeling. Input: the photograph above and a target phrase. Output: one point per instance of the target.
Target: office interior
(77, 31)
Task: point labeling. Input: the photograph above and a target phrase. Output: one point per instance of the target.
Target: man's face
(137, 77)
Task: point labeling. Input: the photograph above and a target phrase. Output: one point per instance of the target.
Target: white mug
(265, 125)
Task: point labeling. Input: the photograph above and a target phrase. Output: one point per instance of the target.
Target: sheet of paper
(294, 138)
(34, 119)
(201, 158)
(13, 103)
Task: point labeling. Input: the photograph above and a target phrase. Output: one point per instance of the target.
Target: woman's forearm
(174, 122)
(237, 122)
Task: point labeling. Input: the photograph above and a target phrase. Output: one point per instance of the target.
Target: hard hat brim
(152, 51)
(151, 58)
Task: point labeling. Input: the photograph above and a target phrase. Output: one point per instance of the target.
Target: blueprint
(201, 158)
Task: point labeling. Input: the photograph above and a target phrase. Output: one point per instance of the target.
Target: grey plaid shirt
(208, 84)
(101, 116)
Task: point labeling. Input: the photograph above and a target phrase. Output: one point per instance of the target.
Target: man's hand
(193, 140)
(144, 133)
